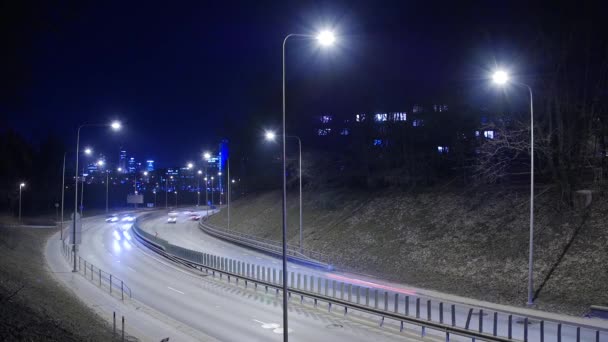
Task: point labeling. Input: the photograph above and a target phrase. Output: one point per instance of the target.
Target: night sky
(180, 75)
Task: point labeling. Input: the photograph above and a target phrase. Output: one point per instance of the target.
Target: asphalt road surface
(223, 311)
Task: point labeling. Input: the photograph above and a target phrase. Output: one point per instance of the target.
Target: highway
(185, 233)
(223, 311)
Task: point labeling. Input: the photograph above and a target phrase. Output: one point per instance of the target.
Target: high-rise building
(149, 165)
(122, 161)
(132, 165)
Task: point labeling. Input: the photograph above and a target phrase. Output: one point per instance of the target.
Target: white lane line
(178, 291)
(129, 267)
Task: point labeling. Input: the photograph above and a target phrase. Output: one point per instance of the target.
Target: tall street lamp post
(198, 188)
(167, 191)
(270, 136)
(115, 126)
(206, 157)
(501, 77)
(212, 191)
(62, 197)
(325, 38)
(21, 186)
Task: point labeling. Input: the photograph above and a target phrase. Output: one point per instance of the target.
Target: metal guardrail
(271, 246)
(332, 293)
(96, 274)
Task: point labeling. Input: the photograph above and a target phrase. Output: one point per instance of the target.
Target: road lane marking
(129, 267)
(178, 291)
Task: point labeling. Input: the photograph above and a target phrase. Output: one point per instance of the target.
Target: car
(195, 217)
(112, 218)
(172, 217)
(128, 218)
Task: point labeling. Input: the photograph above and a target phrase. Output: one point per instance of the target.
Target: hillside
(468, 243)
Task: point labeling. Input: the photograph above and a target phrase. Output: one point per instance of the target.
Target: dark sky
(180, 75)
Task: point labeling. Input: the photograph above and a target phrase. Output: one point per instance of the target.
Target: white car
(172, 220)
(112, 218)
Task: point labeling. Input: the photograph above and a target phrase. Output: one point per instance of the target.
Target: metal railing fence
(96, 275)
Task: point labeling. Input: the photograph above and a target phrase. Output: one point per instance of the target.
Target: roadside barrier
(294, 253)
(96, 275)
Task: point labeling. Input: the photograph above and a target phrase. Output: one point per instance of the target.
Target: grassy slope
(39, 309)
(470, 244)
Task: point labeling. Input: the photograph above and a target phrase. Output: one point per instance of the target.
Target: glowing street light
(145, 173)
(190, 165)
(501, 77)
(326, 38)
(115, 125)
(270, 135)
(100, 162)
(119, 169)
(207, 155)
(88, 151)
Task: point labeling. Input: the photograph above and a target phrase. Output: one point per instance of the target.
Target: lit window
(417, 109)
(488, 134)
(360, 117)
(326, 119)
(345, 131)
(418, 123)
(476, 133)
(377, 142)
(443, 149)
(399, 116)
(323, 131)
(380, 117)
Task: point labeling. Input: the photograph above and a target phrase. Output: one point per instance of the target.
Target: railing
(406, 309)
(326, 291)
(267, 245)
(97, 275)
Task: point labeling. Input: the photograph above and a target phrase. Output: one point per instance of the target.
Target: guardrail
(267, 245)
(96, 275)
(332, 293)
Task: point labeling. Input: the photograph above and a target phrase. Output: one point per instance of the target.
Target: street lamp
(21, 186)
(212, 191)
(501, 77)
(115, 126)
(206, 156)
(190, 165)
(270, 136)
(176, 200)
(198, 188)
(167, 191)
(325, 38)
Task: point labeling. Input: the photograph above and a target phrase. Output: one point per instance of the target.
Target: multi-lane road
(214, 309)
(222, 311)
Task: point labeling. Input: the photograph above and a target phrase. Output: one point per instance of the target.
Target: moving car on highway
(172, 217)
